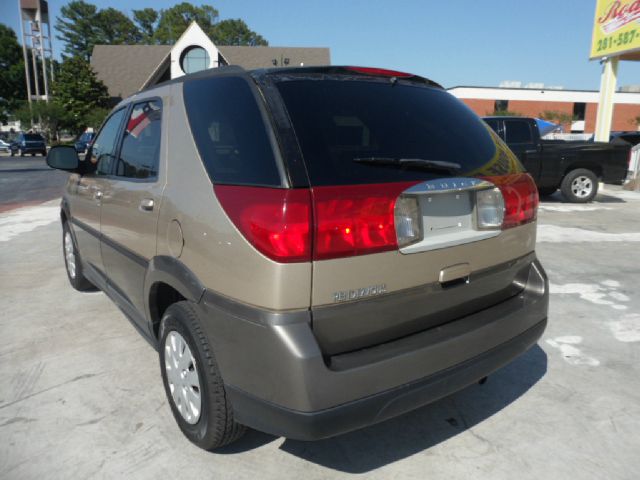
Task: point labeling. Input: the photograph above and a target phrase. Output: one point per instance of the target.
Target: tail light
(276, 221)
(520, 196)
(300, 225)
(355, 219)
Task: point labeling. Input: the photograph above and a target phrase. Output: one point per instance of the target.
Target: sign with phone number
(616, 28)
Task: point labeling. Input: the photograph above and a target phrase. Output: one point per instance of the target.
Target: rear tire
(192, 380)
(580, 185)
(73, 263)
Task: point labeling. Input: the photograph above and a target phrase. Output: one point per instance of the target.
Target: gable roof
(262, 57)
(125, 69)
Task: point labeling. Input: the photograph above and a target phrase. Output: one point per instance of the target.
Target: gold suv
(310, 250)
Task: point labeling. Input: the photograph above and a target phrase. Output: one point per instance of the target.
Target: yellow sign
(616, 28)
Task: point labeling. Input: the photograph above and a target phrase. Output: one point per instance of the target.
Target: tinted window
(229, 132)
(337, 121)
(32, 137)
(518, 131)
(140, 149)
(104, 148)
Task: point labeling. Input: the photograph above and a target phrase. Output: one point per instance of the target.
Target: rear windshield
(337, 121)
(32, 137)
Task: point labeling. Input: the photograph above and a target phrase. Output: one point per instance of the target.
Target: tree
(12, 83)
(175, 20)
(235, 32)
(77, 27)
(49, 116)
(145, 20)
(79, 91)
(114, 28)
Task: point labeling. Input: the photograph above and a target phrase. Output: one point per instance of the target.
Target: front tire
(73, 263)
(192, 380)
(580, 185)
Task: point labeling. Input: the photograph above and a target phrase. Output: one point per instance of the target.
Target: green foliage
(12, 84)
(114, 28)
(235, 32)
(95, 117)
(50, 117)
(504, 113)
(77, 28)
(175, 20)
(79, 91)
(81, 26)
(561, 118)
(145, 20)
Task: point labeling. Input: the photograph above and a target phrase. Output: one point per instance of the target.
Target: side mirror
(63, 157)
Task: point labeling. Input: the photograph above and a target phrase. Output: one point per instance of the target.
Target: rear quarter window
(337, 121)
(230, 132)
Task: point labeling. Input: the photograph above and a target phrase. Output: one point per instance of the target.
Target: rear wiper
(411, 163)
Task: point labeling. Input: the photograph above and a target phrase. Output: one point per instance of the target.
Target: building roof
(251, 58)
(125, 69)
(539, 95)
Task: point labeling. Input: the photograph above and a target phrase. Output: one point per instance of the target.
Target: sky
(454, 42)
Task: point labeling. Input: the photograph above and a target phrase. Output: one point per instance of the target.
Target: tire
(547, 191)
(580, 185)
(21, 153)
(33, 154)
(212, 425)
(72, 262)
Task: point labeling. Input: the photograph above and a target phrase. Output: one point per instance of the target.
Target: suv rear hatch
(421, 214)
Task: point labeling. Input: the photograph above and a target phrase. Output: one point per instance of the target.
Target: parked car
(311, 250)
(574, 167)
(4, 146)
(29, 143)
(84, 141)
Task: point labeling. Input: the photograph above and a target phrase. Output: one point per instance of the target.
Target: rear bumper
(279, 382)
(277, 420)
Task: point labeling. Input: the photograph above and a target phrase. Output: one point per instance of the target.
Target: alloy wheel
(182, 377)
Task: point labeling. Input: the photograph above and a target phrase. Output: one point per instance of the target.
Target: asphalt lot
(81, 395)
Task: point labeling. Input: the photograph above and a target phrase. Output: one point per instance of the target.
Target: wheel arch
(168, 281)
(593, 167)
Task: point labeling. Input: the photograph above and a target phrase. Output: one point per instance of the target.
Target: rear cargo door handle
(455, 274)
(146, 204)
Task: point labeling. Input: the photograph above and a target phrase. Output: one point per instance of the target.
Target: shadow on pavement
(373, 447)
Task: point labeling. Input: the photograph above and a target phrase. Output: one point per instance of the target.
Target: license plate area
(448, 219)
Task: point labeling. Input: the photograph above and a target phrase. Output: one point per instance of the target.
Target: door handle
(146, 204)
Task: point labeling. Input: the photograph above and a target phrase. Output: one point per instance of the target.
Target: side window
(140, 150)
(104, 147)
(229, 132)
(518, 131)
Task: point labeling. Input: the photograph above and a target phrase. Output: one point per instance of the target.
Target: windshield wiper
(421, 163)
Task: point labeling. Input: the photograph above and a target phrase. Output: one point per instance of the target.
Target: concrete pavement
(81, 395)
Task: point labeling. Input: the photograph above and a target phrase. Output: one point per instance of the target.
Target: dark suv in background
(311, 250)
(29, 143)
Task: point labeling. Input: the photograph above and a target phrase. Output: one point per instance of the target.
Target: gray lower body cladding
(280, 381)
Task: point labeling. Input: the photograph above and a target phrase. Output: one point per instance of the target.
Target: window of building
(140, 150)
(501, 106)
(194, 59)
(579, 110)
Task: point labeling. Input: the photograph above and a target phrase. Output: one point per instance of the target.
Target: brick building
(581, 104)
